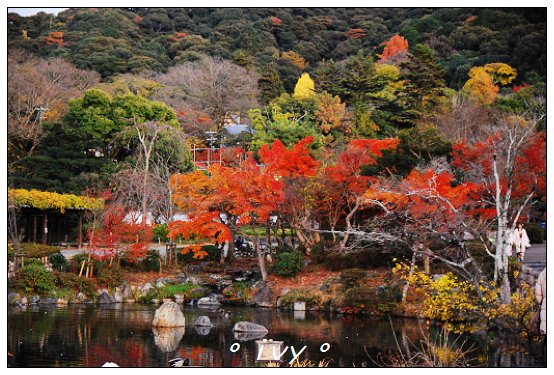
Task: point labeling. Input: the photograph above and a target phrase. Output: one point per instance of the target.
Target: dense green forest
(115, 41)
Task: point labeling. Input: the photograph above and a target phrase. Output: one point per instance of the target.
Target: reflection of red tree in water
(134, 355)
(199, 356)
(98, 354)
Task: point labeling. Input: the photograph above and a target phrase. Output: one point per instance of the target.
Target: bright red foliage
(117, 236)
(359, 152)
(426, 196)
(529, 169)
(517, 88)
(289, 163)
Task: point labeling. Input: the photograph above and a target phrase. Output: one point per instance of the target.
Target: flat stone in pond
(249, 327)
(211, 300)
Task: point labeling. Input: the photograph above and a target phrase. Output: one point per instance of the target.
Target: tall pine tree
(424, 84)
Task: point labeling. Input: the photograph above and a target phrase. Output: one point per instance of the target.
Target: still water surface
(89, 336)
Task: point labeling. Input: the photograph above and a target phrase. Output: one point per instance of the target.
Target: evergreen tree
(270, 84)
(424, 83)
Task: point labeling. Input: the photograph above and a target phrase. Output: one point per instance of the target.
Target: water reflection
(88, 336)
(168, 339)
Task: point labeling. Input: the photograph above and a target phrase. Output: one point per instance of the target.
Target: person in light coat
(540, 295)
(521, 241)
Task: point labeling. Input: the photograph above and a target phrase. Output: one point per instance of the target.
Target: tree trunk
(412, 267)
(501, 259)
(348, 225)
(261, 260)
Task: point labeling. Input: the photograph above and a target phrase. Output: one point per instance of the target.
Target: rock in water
(169, 315)
(168, 339)
(263, 297)
(203, 321)
(211, 300)
(105, 298)
(249, 327)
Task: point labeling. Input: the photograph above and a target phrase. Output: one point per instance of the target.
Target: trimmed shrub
(535, 233)
(288, 264)
(33, 261)
(109, 277)
(70, 280)
(312, 298)
(321, 251)
(370, 257)
(389, 297)
(37, 250)
(58, 261)
(189, 291)
(239, 291)
(352, 277)
(152, 261)
(361, 296)
(33, 278)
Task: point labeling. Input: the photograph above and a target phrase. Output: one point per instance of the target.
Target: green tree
(424, 84)
(270, 84)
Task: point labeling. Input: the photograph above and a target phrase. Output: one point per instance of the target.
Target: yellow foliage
(387, 71)
(305, 87)
(44, 199)
(464, 307)
(501, 73)
(480, 86)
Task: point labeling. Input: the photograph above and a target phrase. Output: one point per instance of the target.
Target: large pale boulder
(169, 315)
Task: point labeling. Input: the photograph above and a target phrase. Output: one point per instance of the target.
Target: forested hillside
(115, 41)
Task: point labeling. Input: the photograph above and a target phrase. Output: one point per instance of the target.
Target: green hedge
(33, 278)
(289, 264)
(37, 250)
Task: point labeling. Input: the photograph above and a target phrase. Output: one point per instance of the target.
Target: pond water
(89, 336)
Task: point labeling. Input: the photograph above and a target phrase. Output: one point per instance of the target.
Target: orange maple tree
(55, 37)
(220, 202)
(395, 47)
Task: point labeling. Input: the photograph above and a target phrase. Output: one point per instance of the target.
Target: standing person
(521, 241)
(540, 295)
